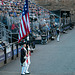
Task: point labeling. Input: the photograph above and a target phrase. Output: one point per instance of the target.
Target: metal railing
(5, 34)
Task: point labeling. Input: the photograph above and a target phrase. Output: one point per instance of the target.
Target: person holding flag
(23, 58)
(24, 30)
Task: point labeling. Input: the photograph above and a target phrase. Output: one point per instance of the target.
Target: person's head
(24, 45)
(2, 42)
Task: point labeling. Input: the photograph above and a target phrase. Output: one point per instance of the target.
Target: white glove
(25, 57)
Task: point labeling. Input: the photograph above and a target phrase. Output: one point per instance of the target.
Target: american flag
(24, 26)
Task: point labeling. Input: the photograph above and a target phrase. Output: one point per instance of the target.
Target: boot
(27, 72)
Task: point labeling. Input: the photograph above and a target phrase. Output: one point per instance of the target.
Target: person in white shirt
(58, 34)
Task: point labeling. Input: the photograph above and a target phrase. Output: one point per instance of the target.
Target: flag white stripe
(19, 36)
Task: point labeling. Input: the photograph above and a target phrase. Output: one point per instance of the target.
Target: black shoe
(22, 74)
(27, 73)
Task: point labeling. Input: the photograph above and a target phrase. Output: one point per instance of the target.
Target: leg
(28, 65)
(22, 72)
(58, 37)
(26, 68)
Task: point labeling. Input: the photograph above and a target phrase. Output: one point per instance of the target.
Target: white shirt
(27, 38)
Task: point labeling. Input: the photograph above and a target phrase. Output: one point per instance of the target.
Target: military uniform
(23, 60)
(28, 60)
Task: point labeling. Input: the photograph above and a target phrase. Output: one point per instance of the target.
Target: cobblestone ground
(55, 58)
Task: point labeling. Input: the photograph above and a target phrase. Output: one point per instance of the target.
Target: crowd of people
(40, 18)
(11, 12)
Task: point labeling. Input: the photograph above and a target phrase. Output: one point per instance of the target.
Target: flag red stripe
(26, 20)
(22, 30)
(29, 23)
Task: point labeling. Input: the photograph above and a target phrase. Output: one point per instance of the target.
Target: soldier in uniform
(23, 58)
(28, 59)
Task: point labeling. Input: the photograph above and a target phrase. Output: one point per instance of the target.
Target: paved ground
(55, 58)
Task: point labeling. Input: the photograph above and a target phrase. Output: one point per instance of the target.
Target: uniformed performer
(28, 59)
(23, 58)
(58, 34)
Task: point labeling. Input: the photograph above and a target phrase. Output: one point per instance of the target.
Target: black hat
(24, 42)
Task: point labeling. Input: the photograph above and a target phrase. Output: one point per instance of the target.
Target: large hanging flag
(24, 26)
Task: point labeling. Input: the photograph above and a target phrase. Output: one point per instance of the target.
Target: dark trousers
(33, 44)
